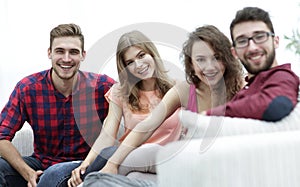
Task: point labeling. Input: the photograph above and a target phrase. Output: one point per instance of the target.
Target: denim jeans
(62, 171)
(57, 175)
(10, 177)
(100, 160)
(54, 176)
(96, 179)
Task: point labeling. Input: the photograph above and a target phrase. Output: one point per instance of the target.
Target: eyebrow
(255, 32)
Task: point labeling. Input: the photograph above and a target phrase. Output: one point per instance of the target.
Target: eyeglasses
(257, 39)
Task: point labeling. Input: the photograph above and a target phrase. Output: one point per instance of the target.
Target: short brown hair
(63, 30)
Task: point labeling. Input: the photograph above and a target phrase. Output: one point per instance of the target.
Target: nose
(252, 44)
(66, 57)
(138, 62)
(210, 64)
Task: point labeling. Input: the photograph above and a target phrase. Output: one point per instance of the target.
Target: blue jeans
(59, 174)
(100, 160)
(56, 175)
(97, 179)
(10, 177)
(61, 178)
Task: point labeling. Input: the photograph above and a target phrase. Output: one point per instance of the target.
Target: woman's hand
(110, 167)
(75, 179)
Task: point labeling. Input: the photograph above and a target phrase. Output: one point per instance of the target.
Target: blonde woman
(143, 81)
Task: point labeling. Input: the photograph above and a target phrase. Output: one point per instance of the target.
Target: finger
(76, 178)
(69, 183)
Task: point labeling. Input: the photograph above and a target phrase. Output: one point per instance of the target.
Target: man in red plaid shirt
(65, 108)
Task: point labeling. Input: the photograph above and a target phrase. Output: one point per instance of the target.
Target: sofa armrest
(200, 126)
(23, 140)
(260, 160)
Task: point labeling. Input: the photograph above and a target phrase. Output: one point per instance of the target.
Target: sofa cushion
(260, 160)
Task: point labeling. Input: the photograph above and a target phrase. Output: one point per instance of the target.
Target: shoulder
(281, 73)
(115, 94)
(95, 76)
(116, 89)
(182, 86)
(98, 80)
(33, 79)
(180, 91)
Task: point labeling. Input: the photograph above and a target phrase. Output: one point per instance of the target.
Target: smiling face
(255, 57)
(66, 55)
(139, 63)
(208, 68)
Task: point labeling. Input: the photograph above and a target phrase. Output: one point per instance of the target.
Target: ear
(83, 55)
(49, 53)
(276, 42)
(233, 52)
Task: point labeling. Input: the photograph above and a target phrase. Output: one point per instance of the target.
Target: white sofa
(23, 140)
(233, 152)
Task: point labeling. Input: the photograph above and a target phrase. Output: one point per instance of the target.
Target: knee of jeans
(57, 174)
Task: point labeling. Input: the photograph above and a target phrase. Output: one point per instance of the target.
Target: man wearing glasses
(271, 90)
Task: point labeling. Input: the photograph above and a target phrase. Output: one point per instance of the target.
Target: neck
(64, 86)
(149, 84)
(211, 96)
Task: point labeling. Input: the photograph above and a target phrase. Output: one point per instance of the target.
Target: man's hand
(33, 178)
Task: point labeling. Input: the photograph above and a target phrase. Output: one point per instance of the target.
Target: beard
(64, 77)
(268, 64)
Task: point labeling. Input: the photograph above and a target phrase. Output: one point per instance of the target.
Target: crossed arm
(143, 131)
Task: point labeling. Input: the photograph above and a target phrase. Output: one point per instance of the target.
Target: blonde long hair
(130, 85)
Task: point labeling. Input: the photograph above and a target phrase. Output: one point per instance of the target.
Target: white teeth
(255, 57)
(210, 74)
(65, 66)
(143, 70)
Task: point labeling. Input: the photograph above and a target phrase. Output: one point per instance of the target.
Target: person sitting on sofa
(272, 89)
(143, 83)
(50, 102)
(213, 77)
(270, 93)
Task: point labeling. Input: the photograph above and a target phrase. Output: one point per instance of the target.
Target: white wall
(25, 27)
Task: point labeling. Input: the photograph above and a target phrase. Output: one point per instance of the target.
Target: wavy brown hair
(130, 85)
(233, 75)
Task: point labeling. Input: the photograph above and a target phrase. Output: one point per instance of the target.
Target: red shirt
(270, 95)
(64, 127)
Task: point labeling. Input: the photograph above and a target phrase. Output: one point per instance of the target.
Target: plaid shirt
(64, 127)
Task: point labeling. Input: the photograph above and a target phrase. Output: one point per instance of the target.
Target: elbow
(279, 108)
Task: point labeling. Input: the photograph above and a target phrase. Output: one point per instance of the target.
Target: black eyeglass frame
(268, 34)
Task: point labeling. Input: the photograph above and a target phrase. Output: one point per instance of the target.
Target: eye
(141, 55)
(260, 37)
(241, 41)
(59, 51)
(74, 52)
(129, 62)
(200, 59)
(216, 58)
